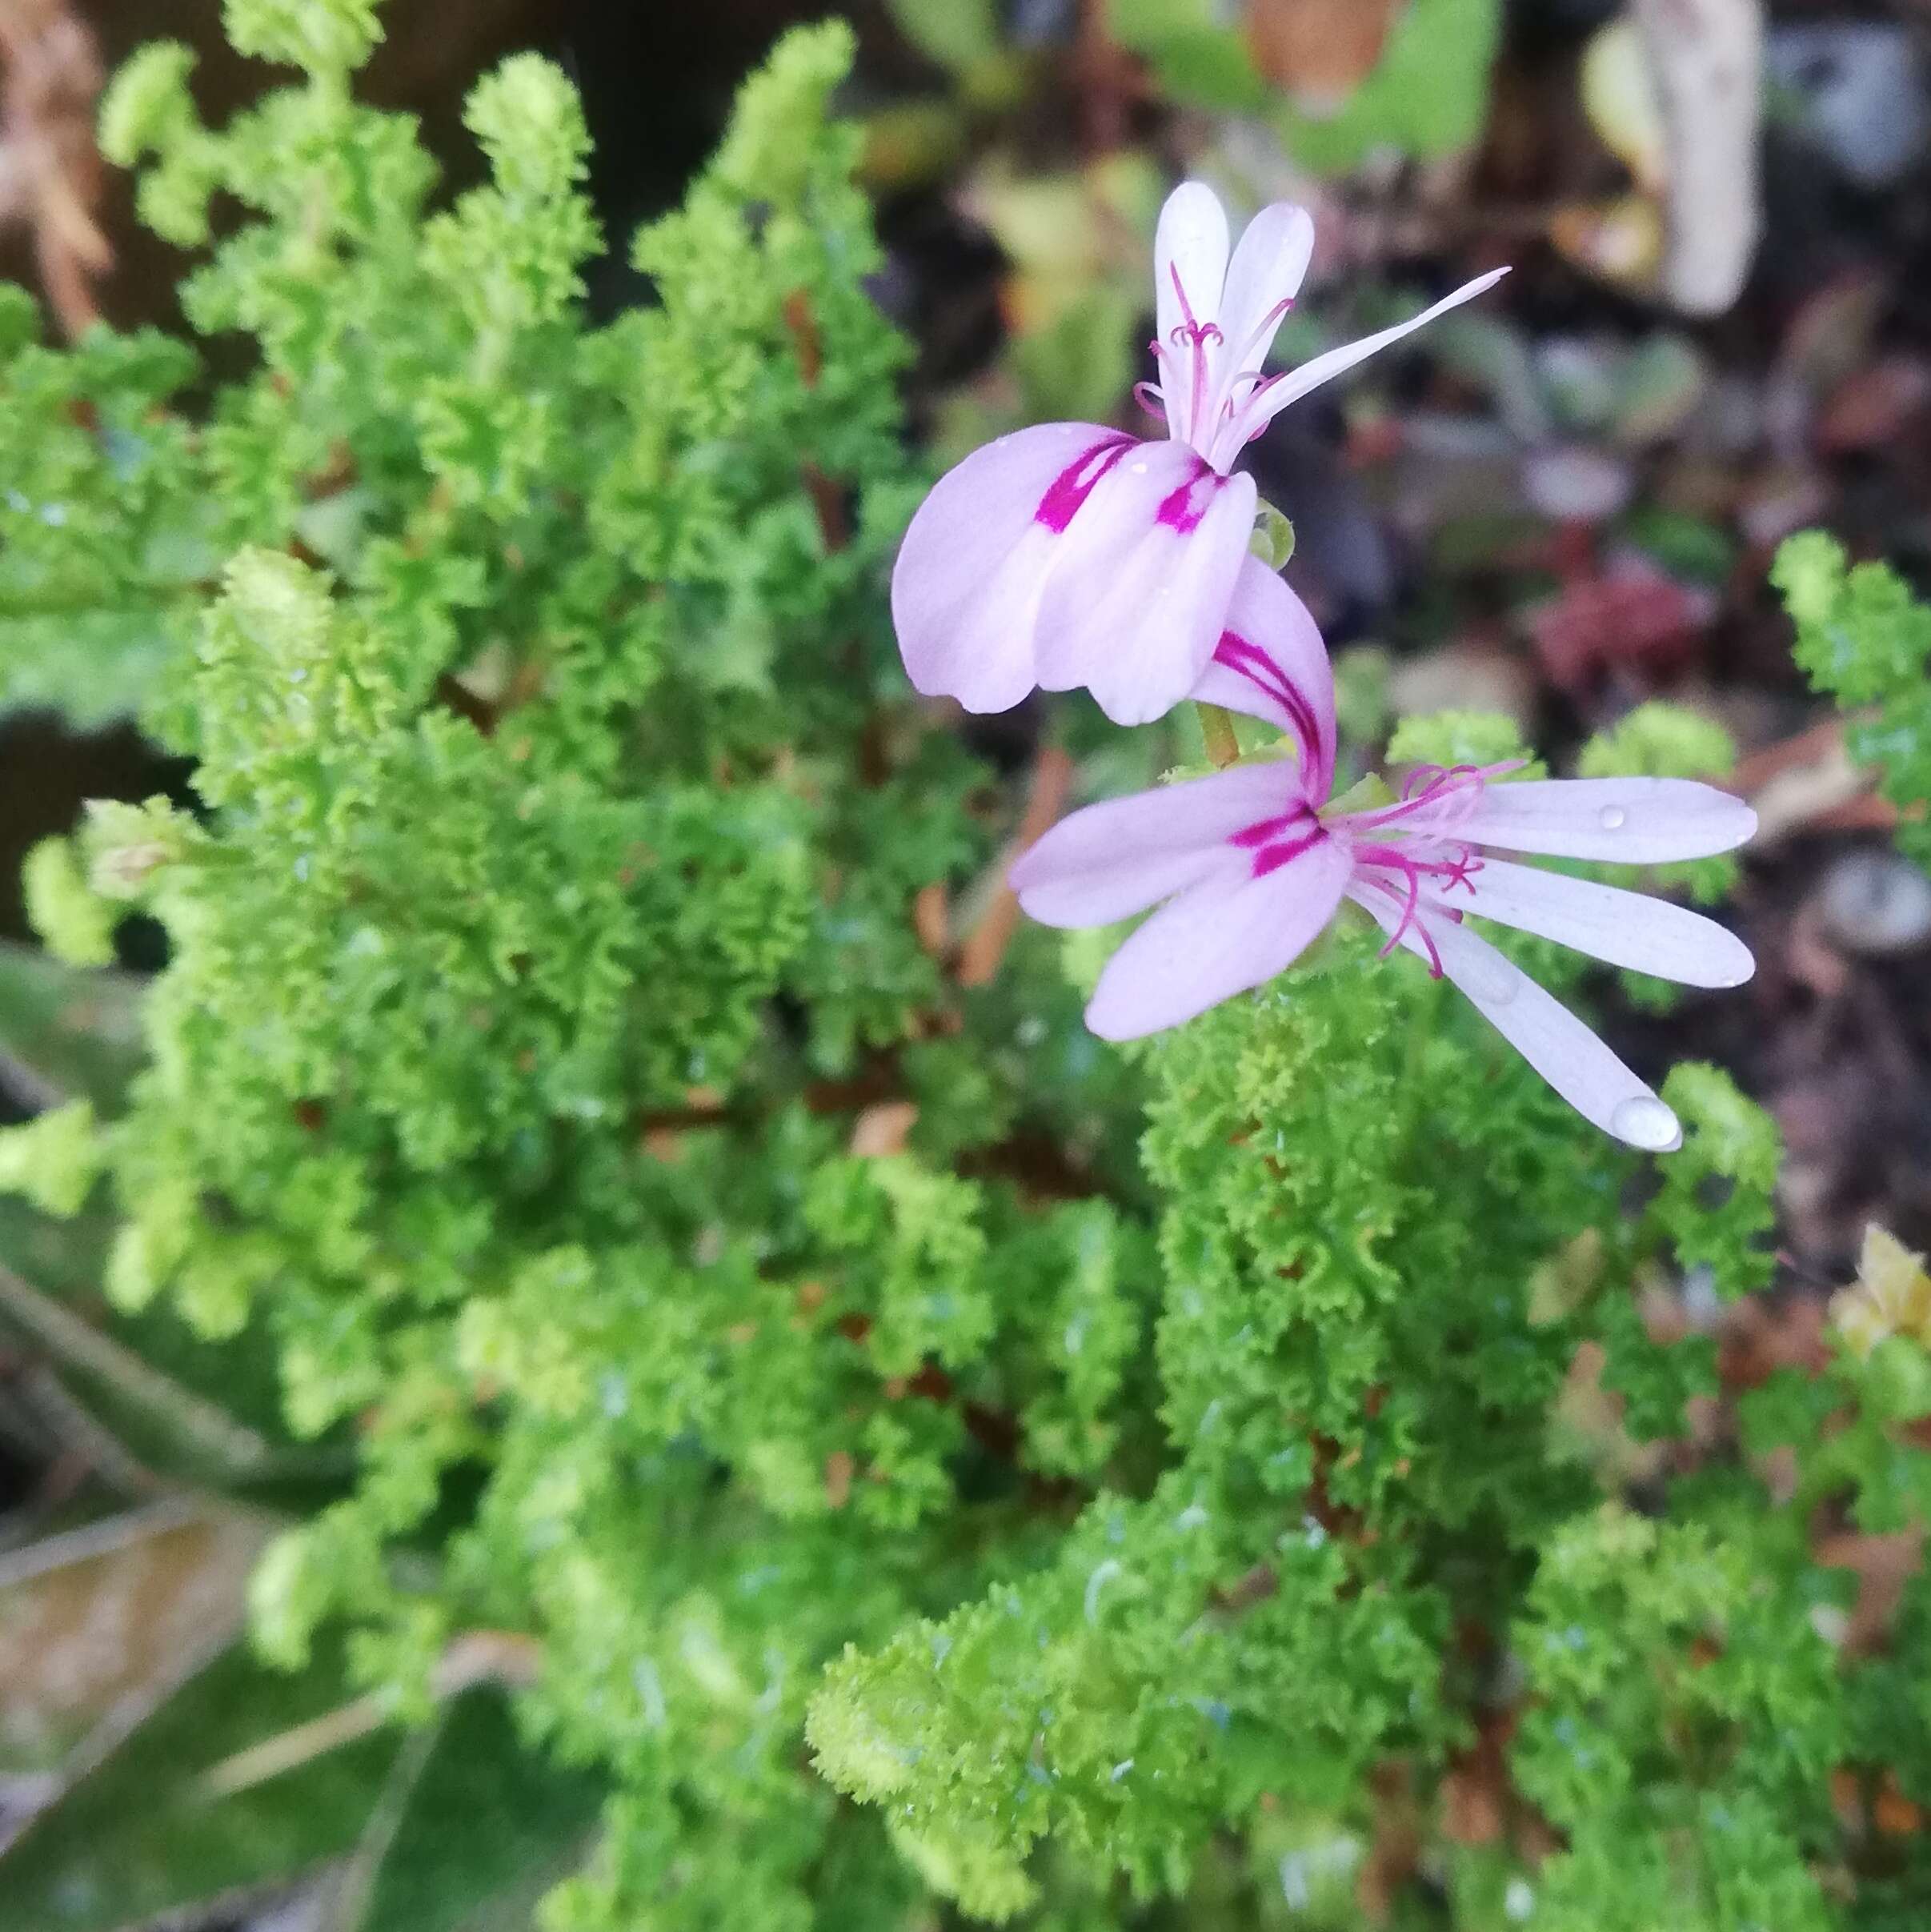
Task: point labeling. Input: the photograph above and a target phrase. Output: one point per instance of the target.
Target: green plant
(1866, 641)
(593, 1061)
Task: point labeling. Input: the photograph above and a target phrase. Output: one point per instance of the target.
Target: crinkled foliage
(1866, 641)
(582, 1050)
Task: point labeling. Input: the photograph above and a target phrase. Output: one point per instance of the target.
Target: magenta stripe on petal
(1268, 830)
(1070, 489)
(1186, 509)
(1271, 858)
(1251, 662)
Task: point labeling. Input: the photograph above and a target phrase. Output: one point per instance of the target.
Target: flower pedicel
(1070, 554)
(1248, 866)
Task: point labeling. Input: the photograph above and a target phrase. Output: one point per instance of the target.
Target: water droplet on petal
(1489, 978)
(1645, 1122)
(1614, 818)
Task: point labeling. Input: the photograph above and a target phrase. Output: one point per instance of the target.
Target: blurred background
(1557, 505)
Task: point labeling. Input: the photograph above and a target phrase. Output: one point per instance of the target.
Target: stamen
(1148, 395)
(1193, 333)
(1411, 897)
(1440, 786)
(1256, 400)
(1232, 407)
(1264, 332)
(1410, 901)
(1461, 872)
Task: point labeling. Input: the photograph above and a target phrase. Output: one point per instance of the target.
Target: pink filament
(1264, 333)
(1194, 335)
(1458, 869)
(1438, 785)
(1410, 896)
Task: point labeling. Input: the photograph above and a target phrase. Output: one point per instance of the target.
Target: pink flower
(1248, 866)
(1069, 555)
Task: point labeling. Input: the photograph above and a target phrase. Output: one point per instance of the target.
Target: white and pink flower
(1070, 554)
(1248, 867)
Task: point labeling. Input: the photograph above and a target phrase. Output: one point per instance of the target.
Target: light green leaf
(955, 32)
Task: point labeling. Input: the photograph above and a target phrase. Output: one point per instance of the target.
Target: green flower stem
(1217, 728)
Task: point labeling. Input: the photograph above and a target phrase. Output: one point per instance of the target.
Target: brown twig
(828, 499)
(507, 1658)
(238, 1449)
(985, 945)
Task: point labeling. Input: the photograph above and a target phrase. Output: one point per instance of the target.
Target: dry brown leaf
(1620, 239)
(931, 921)
(1883, 1565)
(1319, 51)
(50, 172)
(1894, 1813)
(1473, 1799)
(882, 1130)
(1757, 1339)
(1808, 783)
(1811, 959)
(99, 1625)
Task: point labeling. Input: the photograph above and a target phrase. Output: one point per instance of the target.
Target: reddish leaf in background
(1874, 405)
(1320, 50)
(1632, 614)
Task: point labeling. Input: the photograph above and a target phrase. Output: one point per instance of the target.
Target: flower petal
(1267, 271)
(1270, 663)
(1271, 399)
(1116, 858)
(965, 591)
(1627, 929)
(1541, 1030)
(1215, 940)
(1189, 247)
(1139, 596)
(1624, 821)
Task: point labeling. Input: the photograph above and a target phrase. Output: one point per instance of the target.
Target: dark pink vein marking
(1260, 670)
(1075, 484)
